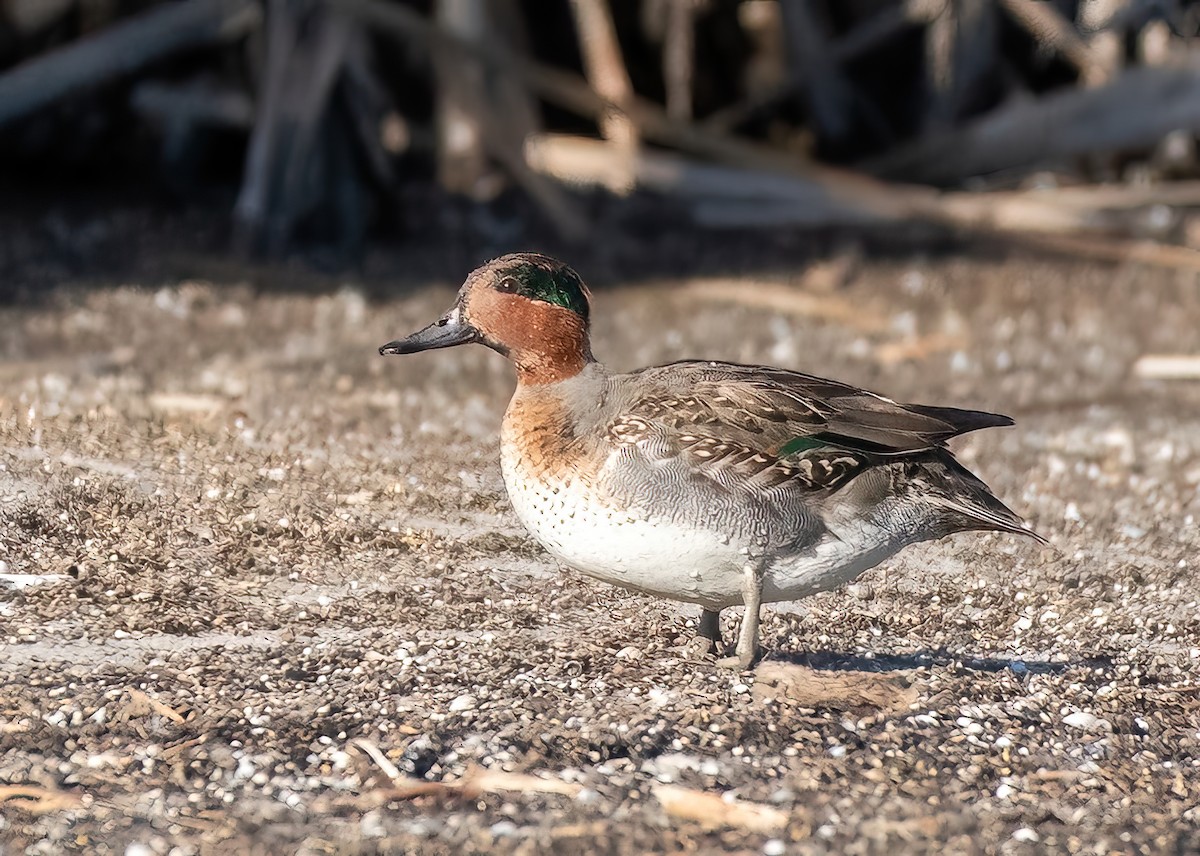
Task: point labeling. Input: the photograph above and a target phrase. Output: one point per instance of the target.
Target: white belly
(634, 550)
(625, 548)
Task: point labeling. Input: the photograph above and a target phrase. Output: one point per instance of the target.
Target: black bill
(446, 332)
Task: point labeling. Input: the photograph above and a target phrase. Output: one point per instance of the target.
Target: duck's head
(531, 308)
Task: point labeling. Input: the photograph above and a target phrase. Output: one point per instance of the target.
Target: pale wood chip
(479, 781)
(34, 799)
(919, 347)
(183, 402)
(829, 690)
(712, 811)
(1168, 367)
(140, 704)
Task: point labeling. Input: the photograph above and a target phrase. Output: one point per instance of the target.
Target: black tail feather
(963, 421)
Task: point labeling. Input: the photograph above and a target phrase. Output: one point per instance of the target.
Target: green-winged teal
(703, 481)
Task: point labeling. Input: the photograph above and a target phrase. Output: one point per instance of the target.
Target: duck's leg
(710, 629)
(747, 644)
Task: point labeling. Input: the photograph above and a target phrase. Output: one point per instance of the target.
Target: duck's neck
(553, 352)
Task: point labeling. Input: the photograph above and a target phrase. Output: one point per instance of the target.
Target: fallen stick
(122, 49)
(1136, 109)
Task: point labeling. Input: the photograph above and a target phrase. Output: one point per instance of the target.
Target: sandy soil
(253, 571)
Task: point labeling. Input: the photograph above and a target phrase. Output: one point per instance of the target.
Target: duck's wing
(764, 427)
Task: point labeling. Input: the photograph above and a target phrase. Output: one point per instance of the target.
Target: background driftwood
(762, 113)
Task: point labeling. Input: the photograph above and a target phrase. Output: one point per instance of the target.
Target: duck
(701, 481)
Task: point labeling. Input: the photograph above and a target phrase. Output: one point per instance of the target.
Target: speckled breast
(578, 524)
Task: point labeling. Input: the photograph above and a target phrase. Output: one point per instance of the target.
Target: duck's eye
(508, 285)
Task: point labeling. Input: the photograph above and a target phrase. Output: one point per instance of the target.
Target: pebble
(504, 829)
(1086, 721)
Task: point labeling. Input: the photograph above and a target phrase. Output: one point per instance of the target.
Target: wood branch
(938, 109)
(724, 197)
(306, 108)
(583, 162)
(605, 68)
(250, 210)
(830, 96)
(1064, 210)
(872, 33)
(462, 159)
(512, 117)
(368, 103)
(1135, 110)
(121, 50)
(1047, 25)
(302, 159)
(518, 107)
(679, 58)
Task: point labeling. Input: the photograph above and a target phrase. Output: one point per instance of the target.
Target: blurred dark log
(122, 49)
(30, 16)
(191, 104)
(869, 35)
(301, 161)
(816, 71)
(1135, 110)
(369, 106)
(251, 210)
(461, 102)
(512, 118)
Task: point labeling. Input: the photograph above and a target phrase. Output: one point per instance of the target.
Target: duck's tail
(967, 502)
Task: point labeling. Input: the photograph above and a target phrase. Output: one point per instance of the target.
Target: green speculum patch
(562, 287)
(799, 444)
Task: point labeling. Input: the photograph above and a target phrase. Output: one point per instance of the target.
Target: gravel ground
(264, 593)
